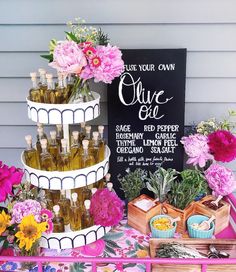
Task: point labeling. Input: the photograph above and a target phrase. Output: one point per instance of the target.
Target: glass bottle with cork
(49, 94)
(102, 144)
(82, 132)
(42, 83)
(94, 148)
(86, 158)
(64, 204)
(40, 136)
(75, 213)
(75, 150)
(31, 154)
(46, 160)
(58, 221)
(59, 92)
(64, 161)
(87, 220)
(53, 147)
(59, 135)
(34, 92)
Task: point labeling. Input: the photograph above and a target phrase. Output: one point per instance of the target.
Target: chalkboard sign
(146, 112)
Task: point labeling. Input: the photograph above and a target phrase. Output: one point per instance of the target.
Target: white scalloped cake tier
(64, 113)
(66, 180)
(73, 239)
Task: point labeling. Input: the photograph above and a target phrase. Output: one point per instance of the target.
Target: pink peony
(68, 58)
(95, 249)
(106, 208)
(197, 149)
(222, 144)
(9, 176)
(220, 179)
(27, 207)
(105, 65)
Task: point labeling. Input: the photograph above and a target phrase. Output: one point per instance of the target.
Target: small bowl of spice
(162, 226)
(196, 228)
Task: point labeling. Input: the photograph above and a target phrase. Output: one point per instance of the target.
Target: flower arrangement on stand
(85, 54)
(25, 218)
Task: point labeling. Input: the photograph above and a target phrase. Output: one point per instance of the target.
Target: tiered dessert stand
(66, 114)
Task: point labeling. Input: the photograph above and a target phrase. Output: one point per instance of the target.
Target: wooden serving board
(201, 245)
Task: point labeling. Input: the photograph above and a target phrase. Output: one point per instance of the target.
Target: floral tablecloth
(122, 241)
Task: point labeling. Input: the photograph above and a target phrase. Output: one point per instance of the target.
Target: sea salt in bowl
(197, 233)
(158, 233)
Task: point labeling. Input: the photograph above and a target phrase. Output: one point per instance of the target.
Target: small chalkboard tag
(146, 112)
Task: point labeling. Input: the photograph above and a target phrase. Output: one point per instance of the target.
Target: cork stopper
(109, 186)
(56, 209)
(85, 144)
(75, 134)
(53, 134)
(39, 125)
(108, 177)
(40, 131)
(100, 129)
(88, 129)
(28, 139)
(95, 135)
(42, 71)
(94, 190)
(59, 127)
(43, 143)
(83, 124)
(64, 143)
(74, 197)
(33, 75)
(48, 76)
(87, 204)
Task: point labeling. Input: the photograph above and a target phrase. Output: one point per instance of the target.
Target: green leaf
(113, 236)
(129, 265)
(110, 250)
(112, 244)
(49, 57)
(128, 242)
(131, 252)
(72, 36)
(141, 266)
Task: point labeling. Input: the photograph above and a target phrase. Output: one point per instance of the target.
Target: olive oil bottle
(58, 221)
(40, 136)
(64, 204)
(42, 83)
(86, 158)
(59, 134)
(94, 148)
(75, 213)
(82, 132)
(88, 135)
(53, 147)
(54, 195)
(64, 161)
(87, 220)
(59, 92)
(102, 144)
(48, 200)
(31, 154)
(86, 193)
(34, 92)
(46, 160)
(49, 94)
(75, 150)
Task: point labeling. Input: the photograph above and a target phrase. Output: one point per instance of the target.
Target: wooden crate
(139, 219)
(183, 214)
(222, 214)
(201, 245)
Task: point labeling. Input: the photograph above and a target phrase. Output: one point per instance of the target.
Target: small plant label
(146, 111)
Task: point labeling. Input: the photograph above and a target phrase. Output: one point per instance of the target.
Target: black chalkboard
(146, 111)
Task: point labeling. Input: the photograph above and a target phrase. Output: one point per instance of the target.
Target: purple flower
(27, 207)
(220, 179)
(196, 147)
(105, 66)
(68, 58)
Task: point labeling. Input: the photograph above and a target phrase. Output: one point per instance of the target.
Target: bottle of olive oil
(75, 150)
(82, 132)
(86, 158)
(87, 220)
(54, 195)
(64, 204)
(70, 84)
(64, 162)
(75, 213)
(59, 135)
(80, 197)
(42, 83)
(94, 148)
(31, 154)
(34, 93)
(48, 200)
(46, 160)
(49, 94)
(88, 135)
(58, 221)
(86, 193)
(102, 144)
(53, 147)
(40, 136)
(66, 89)
(59, 92)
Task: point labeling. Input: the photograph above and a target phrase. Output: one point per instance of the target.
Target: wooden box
(222, 214)
(183, 214)
(139, 219)
(202, 245)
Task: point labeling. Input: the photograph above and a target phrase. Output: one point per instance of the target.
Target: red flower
(222, 144)
(89, 51)
(96, 61)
